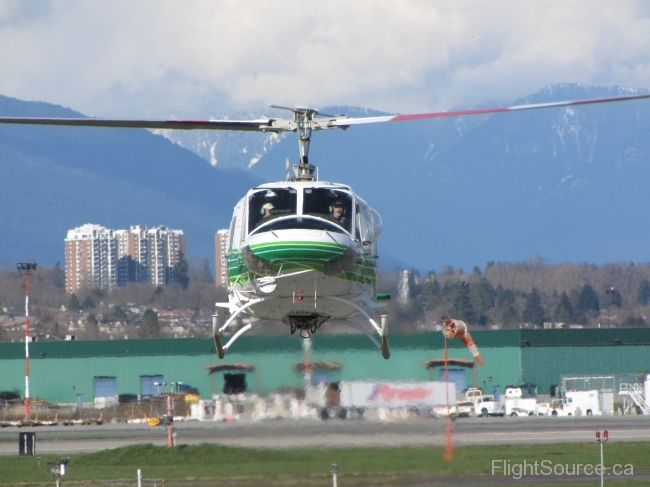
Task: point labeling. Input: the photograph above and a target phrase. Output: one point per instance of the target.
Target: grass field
(357, 466)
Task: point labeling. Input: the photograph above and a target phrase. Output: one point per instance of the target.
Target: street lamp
(26, 269)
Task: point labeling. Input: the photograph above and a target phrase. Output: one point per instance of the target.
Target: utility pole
(26, 269)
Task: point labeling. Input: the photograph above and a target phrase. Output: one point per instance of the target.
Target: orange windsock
(458, 329)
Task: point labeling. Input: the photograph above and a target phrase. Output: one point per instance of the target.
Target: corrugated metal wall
(546, 355)
(544, 366)
(62, 370)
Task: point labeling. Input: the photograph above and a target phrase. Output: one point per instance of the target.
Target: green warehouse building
(68, 372)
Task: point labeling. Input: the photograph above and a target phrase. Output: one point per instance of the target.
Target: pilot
(336, 213)
(266, 213)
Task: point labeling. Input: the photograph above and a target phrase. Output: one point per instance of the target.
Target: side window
(371, 223)
(237, 225)
(357, 224)
(367, 234)
(231, 233)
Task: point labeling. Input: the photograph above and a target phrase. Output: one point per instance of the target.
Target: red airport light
(300, 295)
(598, 435)
(606, 434)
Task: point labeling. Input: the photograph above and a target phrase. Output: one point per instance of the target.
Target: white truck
(486, 406)
(520, 401)
(587, 403)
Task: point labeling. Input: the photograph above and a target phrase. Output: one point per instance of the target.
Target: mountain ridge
(57, 178)
(565, 183)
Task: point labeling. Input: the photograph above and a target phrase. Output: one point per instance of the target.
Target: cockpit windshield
(269, 204)
(332, 205)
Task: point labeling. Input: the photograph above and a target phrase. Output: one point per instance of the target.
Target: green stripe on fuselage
(364, 270)
(312, 251)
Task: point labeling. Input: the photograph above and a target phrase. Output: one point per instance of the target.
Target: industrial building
(65, 371)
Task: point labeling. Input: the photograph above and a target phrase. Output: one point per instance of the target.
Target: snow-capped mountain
(565, 183)
(224, 149)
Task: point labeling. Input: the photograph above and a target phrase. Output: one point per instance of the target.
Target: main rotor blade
(480, 111)
(266, 125)
(286, 125)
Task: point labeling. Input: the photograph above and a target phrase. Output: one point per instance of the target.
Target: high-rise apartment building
(90, 258)
(164, 250)
(221, 257)
(132, 255)
(97, 257)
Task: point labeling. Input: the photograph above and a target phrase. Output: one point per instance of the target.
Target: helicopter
(302, 251)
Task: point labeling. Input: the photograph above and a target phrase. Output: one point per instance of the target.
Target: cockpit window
(335, 206)
(269, 204)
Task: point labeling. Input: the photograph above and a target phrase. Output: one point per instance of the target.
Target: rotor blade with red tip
(480, 111)
(287, 125)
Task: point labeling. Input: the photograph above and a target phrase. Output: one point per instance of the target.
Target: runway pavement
(288, 433)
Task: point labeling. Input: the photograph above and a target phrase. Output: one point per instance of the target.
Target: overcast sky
(183, 58)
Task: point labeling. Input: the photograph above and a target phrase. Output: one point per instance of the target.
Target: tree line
(503, 295)
(528, 293)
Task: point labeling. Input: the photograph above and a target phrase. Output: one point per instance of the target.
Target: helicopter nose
(265, 256)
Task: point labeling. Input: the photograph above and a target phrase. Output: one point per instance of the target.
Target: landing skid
(307, 325)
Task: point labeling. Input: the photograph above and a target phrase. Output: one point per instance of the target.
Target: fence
(48, 413)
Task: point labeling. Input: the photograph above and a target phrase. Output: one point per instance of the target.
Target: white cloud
(191, 58)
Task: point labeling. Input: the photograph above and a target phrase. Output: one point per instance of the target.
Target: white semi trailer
(595, 402)
(350, 399)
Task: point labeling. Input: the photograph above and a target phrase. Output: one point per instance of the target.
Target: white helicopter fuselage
(301, 264)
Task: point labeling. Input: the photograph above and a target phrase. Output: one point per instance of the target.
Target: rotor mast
(303, 119)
